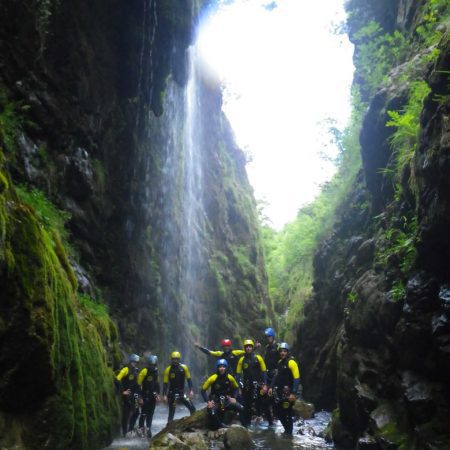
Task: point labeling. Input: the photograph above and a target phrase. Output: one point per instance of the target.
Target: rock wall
(94, 89)
(375, 339)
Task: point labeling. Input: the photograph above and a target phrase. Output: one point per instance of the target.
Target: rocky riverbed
(188, 432)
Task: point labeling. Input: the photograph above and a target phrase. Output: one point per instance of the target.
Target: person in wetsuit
(251, 371)
(129, 388)
(232, 356)
(271, 358)
(148, 380)
(174, 377)
(284, 387)
(222, 397)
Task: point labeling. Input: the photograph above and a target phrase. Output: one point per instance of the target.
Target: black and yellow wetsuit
(174, 378)
(285, 382)
(130, 410)
(232, 357)
(271, 358)
(222, 388)
(251, 368)
(148, 380)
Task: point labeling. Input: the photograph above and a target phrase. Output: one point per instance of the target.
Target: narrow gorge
(128, 224)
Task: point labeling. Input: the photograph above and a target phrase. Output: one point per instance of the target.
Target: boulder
(237, 438)
(303, 409)
(197, 421)
(196, 439)
(168, 440)
(382, 416)
(367, 442)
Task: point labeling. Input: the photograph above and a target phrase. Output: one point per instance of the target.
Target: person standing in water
(284, 387)
(174, 378)
(148, 380)
(129, 388)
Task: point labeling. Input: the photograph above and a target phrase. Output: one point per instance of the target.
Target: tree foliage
(289, 253)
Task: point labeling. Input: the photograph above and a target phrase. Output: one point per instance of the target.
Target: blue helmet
(269, 332)
(152, 359)
(133, 358)
(221, 362)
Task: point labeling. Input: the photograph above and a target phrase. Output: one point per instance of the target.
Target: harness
(221, 386)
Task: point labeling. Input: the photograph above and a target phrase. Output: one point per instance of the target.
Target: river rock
(238, 438)
(367, 443)
(168, 440)
(303, 409)
(382, 415)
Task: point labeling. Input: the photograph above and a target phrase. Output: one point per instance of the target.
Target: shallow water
(304, 438)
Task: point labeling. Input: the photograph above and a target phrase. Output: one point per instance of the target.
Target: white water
(192, 257)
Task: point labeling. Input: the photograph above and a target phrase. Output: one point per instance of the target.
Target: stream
(305, 433)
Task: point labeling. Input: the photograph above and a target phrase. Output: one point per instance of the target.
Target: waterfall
(191, 257)
(183, 218)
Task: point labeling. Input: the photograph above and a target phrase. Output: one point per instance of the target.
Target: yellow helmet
(249, 342)
(175, 355)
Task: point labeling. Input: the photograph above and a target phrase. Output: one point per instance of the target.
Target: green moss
(391, 432)
(63, 259)
(66, 340)
(3, 183)
(10, 121)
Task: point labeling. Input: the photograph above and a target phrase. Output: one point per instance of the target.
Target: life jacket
(271, 357)
(150, 383)
(177, 377)
(284, 374)
(129, 381)
(251, 368)
(222, 385)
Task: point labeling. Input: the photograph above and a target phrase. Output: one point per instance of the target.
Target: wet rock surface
(309, 434)
(381, 352)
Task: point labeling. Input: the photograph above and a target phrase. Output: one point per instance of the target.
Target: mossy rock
(238, 438)
(390, 436)
(197, 421)
(341, 435)
(3, 183)
(51, 338)
(182, 433)
(303, 409)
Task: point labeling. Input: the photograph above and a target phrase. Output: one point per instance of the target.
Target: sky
(284, 73)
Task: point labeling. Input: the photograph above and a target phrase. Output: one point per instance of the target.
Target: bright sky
(284, 72)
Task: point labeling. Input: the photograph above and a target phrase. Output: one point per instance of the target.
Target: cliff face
(375, 340)
(93, 114)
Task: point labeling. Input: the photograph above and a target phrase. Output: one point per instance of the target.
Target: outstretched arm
(203, 349)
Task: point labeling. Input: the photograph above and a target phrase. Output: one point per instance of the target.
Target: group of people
(244, 382)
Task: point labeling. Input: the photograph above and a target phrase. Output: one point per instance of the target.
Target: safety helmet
(175, 355)
(269, 332)
(133, 358)
(225, 343)
(221, 362)
(152, 359)
(284, 346)
(249, 342)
